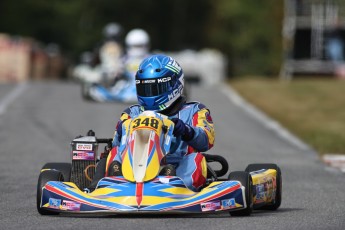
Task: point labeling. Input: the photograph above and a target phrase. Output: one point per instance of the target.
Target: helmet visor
(154, 87)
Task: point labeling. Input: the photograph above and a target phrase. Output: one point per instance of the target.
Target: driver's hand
(181, 129)
(119, 129)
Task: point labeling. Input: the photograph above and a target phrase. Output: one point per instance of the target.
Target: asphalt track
(38, 125)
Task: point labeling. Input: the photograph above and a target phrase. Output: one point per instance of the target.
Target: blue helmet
(159, 81)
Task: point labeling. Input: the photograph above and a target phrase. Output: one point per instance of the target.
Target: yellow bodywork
(267, 181)
(156, 128)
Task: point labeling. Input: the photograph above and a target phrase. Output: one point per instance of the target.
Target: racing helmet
(112, 31)
(159, 82)
(137, 42)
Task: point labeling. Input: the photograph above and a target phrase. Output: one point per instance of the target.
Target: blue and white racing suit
(184, 155)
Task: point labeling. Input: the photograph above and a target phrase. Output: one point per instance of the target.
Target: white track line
(262, 118)
(17, 91)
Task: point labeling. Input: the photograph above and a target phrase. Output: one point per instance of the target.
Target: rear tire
(45, 176)
(246, 181)
(85, 91)
(278, 195)
(64, 168)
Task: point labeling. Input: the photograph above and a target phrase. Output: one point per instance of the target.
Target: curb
(335, 161)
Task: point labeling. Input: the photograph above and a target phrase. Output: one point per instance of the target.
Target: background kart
(122, 90)
(141, 190)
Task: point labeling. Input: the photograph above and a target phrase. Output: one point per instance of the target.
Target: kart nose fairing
(117, 195)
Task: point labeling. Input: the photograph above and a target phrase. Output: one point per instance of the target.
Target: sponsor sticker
(207, 128)
(260, 192)
(165, 79)
(175, 92)
(54, 203)
(148, 81)
(83, 155)
(208, 117)
(84, 146)
(228, 203)
(70, 205)
(164, 180)
(210, 206)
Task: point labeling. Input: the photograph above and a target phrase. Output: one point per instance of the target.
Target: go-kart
(113, 84)
(142, 188)
(123, 90)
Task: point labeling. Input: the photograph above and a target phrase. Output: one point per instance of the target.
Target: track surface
(39, 125)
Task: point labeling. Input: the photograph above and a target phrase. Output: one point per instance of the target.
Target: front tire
(246, 181)
(278, 195)
(64, 168)
(46, 176)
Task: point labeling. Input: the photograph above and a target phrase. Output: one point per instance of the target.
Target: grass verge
(312, 109)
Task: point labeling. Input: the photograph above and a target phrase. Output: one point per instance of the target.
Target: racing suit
(184, 155)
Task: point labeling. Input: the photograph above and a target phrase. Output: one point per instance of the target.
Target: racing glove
(181, 129)
(119, 130)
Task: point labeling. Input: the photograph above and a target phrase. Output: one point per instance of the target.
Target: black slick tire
(45, 176)
(246, 181)
(64, 168)
(278, 195)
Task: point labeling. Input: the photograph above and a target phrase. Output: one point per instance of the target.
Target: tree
(247, 31)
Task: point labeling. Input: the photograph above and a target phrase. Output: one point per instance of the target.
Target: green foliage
(313, 109)
(250, 33)
(247, 31)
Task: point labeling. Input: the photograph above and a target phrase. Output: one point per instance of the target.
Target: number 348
(146, 122)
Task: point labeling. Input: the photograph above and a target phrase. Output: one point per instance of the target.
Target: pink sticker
(70, 205)
(82, 155)
(210, 206)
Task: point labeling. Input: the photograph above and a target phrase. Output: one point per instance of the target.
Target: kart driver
(193, 131)
(137, 48)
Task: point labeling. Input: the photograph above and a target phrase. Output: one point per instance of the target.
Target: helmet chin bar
(169, 103)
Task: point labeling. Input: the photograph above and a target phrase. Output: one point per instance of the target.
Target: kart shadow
(275, 212)
(182, 215)
(148, 216)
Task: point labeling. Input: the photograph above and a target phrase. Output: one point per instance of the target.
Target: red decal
(131, 146)
(159, 150)
(150, 147)
(73, 198)
(139, 193)
(111, 158)
(190, 150)
(208, 117)
(224, 192)
(81, 146)
(198, 178)
(195, 119)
